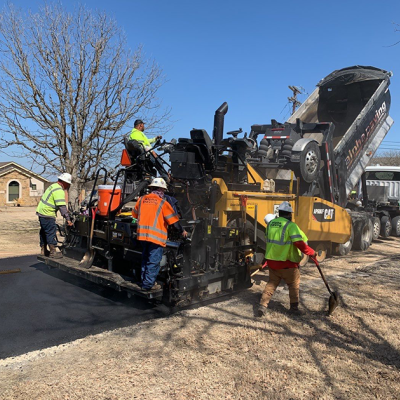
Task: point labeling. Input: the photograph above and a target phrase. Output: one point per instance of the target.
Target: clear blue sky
(248, 52)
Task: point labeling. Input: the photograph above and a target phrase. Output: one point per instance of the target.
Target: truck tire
(363, 229)
(310, 159)
(376, 222)
(396, 226)
(263, 147)
(386, 226)
(342, 249)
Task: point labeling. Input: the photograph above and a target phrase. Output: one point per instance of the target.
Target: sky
(247, 53)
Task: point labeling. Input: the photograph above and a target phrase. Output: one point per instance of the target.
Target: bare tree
(390, 157)
(69, 87)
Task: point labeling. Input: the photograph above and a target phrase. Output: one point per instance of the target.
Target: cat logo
(323, 213)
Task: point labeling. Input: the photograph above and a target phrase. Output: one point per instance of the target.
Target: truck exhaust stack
(219, 116)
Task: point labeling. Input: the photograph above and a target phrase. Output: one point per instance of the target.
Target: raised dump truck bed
(357, 101)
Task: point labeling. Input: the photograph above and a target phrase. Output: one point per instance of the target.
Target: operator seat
(204, 144)
(134, 148)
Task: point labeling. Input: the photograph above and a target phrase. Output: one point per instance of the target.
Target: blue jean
(48, 231)
(151, 257)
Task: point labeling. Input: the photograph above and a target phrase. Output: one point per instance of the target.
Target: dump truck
(225, 185)
(382, 196)
(329, 142)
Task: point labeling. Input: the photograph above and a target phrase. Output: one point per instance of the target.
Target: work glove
(159, 137)
(265, 265)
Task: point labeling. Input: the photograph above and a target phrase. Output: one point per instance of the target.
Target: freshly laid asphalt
(42, 307)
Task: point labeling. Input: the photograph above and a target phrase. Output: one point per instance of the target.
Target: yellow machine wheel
(304, 260)
(322, 251)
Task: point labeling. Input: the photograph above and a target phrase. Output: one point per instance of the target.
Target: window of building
(34, 186)
(13, 191)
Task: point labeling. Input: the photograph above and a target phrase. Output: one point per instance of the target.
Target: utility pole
(295, 103)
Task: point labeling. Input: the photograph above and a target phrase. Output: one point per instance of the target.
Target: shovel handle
(322, 275)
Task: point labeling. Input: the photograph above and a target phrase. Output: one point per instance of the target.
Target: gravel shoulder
(221, 351)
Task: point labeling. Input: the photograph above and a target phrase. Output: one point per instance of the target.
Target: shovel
(333, 298)
(88, 257)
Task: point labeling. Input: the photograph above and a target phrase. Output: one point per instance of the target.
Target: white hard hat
(285, 206)
(268, 218)
(65, 177)
(158, 182)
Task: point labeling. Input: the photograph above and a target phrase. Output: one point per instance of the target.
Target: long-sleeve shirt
(302, 246)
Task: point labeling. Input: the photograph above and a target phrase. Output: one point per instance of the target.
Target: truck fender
(302, 143)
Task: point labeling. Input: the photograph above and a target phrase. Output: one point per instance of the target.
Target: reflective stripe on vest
(283, 249)
(153, 233)
(51, 200)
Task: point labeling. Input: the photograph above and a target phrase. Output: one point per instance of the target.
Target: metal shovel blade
(333, 299)
(333, 303)
(87, 259)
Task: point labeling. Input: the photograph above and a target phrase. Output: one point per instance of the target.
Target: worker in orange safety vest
(154, 213)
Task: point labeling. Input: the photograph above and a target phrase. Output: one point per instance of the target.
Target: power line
(296, 91)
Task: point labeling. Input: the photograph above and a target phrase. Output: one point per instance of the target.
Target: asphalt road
(42, 307)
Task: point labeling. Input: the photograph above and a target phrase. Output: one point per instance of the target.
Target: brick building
(20, 186)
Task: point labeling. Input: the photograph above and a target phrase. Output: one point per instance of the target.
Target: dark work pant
(151, 257)
(48, 231)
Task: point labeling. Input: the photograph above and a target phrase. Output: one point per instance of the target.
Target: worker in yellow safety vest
(53, 200)
(285, 243)
(138, 135)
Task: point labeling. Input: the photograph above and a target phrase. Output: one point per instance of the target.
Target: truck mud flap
(101, 276)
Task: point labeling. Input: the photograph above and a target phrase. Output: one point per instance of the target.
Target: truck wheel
(342, 249)
(376, 222)
(363, 229)
(310, 159)
(386, 226)
(396, 226)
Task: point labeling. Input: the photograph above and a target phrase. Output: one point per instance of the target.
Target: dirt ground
(221, 351)
(19, 233)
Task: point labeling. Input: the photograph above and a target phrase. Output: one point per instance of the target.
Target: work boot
(44, 251)
(156, 286)
(294, 309)
(53, 252)
(261, 311)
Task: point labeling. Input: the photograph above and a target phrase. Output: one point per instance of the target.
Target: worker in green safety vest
(53, 200)
(138, 135)
(285, 243)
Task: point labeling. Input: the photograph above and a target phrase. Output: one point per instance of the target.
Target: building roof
(9, 166)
